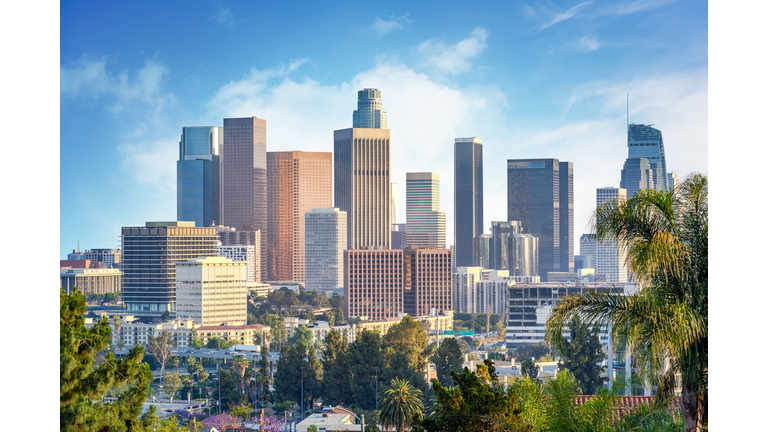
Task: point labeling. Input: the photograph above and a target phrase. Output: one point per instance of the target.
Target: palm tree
(239, 364)
(399, 404)
(666, 321)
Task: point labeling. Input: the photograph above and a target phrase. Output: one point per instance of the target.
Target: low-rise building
(91, 280)
(237, 334)
(329, 422)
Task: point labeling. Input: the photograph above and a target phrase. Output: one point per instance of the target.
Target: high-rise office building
(427, 285)
(240, 253)
(373, 283)
(399, 236)
(244, 179)
(540, 196)
(523, 255)
(566, 216)
(478, 290)
(425, 223)
(393, 203)
(231, 237)
(500, 233)
(483, 251)
(636, 174)
(646, 142)
(198, 175)
(297, 182)
(611, 258)
(467, 198)
(673, 183)
(150, 254)
(588, 246)
(362, 178)
(212, 291)
(369, 114)
(325, 237)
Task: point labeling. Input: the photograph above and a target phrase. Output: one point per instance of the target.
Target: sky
(530, 79)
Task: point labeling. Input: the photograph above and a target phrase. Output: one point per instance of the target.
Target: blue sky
(531, 79)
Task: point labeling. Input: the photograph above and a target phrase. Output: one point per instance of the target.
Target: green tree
(365, 357)
(239, 366)
(172, 382)
(528, 368)
(279, 333)
(81, 384)
(408, 337)
(196, 342)
(478, 402)
(312, 428)
(528, 351)
(447, 358)
(218, 343)
(399, 405)
(262, 379)
(337, 372)
(583, 355)
(666, 240)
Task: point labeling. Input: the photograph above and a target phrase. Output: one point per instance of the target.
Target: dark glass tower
(467, 198)
(635, 175)
(244, 166)
(198, 176)
(646, 142)
(540, 196)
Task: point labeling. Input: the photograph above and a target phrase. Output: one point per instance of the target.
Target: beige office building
(362, 186)
(297, 183)
(212, 291)
(425, 223)
(427, 281)
(91, 280)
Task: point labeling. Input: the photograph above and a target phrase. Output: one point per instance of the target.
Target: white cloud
(381, 27)
(88, 78)
(560, 17)
(587, 44)
(624, 8)
(454, 59)
(224, 16)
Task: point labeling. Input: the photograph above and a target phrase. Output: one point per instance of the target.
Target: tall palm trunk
(693, 412)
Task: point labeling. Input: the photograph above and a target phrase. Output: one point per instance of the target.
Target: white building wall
(212, 291)
(325, 237)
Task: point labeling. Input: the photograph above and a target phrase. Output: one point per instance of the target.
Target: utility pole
(302, 393)
(377, 387)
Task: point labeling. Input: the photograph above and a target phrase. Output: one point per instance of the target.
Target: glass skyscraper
(244, 191)
(369, 113)
(540, 196)
(500, 233)
(467, 198)
(646, 142)
(198, 175)
(425, 223)
(636, 174)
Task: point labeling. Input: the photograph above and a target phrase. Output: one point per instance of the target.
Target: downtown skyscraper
(198, 175)
(425, 222)
(540, 196)
(362, 173)
(297, 183)
(467, 198)
(643, 141)
(244, 195)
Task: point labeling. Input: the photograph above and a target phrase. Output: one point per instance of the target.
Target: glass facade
(297, 183)
(500, 232)
(425, 223)
(198, 176)
(150, 254)
(244, 203)
(540, 196)
(467, 198)
(636, 174)
(369, 113)
(647, 142)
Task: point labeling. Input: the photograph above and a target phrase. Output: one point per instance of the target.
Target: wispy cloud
(224, 16)
(560, 17)
(587, 44)
(454, 59)
(623, 8)
(89, 78)
(381, 27)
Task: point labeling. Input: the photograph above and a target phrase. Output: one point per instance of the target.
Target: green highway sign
(466, 333)
(448, 332)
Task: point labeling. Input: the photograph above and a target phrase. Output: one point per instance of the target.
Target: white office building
(425, 222)
(212, 291)
(325, 238)
(244, 253)
(476, 290)
(611, 259)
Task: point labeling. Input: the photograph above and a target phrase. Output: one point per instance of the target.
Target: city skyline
(140, 93)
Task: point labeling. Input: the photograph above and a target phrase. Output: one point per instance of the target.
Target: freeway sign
(448, 332)
(466, 333)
